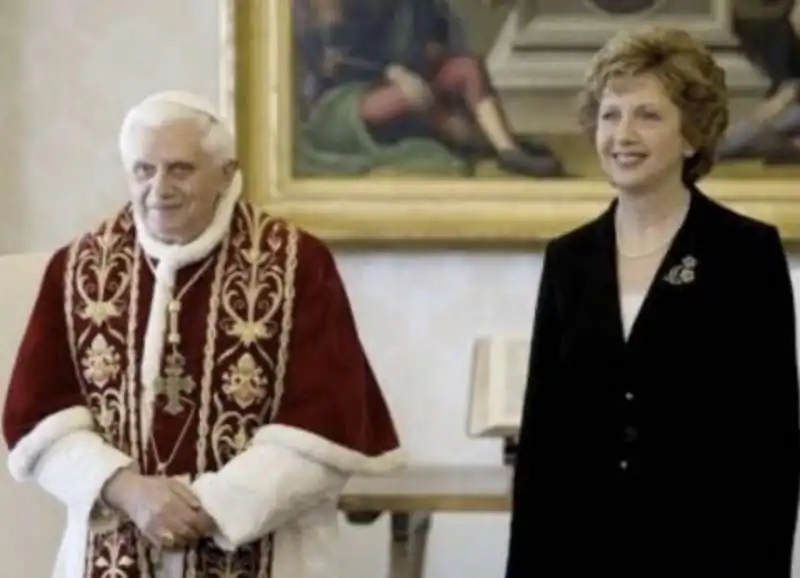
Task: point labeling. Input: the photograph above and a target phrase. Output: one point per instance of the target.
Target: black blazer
(674, 453)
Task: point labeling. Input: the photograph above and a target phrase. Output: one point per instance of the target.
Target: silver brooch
(682, 273)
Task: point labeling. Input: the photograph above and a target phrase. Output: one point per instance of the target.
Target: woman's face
(639, 139)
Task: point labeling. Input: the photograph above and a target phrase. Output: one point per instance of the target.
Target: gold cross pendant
(174, 383)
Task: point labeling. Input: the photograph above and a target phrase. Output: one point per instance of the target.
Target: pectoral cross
(174, 382)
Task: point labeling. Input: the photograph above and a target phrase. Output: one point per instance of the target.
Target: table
(413, 495)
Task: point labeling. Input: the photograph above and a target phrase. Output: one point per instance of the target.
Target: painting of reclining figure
(476, 88)
(400, 85)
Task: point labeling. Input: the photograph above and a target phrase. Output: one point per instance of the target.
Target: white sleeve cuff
(261, 489)
(75, 468)
(322, 450)
(25, 455)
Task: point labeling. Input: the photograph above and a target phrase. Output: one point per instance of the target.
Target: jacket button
(631, 433)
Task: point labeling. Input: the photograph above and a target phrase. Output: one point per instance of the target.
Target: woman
(660, 429)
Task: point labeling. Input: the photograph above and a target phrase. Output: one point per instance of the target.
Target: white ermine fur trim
(23, 458)
(326, 452)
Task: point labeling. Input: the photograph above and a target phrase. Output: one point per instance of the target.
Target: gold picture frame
(256, 93)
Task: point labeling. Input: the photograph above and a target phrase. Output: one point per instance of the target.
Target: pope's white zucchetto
(186, 100)
(183, 98)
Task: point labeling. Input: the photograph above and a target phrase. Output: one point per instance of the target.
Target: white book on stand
(497, 388)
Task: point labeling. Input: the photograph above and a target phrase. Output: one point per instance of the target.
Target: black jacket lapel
(604, 298)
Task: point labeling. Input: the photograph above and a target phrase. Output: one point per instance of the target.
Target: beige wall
(68, 72)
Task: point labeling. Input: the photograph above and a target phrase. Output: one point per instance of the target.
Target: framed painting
(451, 121)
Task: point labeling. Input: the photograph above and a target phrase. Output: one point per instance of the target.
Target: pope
(191, 384)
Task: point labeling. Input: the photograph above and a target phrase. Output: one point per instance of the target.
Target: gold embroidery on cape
(133, 359)
(209, 364)
(286, 322)
(98, 280)
(133, 393)
(101, 363)
(100, 300)
(245, 382)
(103, 275)
(251, 302)
(253, 289)
(253, 296)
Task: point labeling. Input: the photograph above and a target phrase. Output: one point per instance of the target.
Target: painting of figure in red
(395, 84)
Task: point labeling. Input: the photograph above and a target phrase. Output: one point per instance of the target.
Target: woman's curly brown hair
(689, 74)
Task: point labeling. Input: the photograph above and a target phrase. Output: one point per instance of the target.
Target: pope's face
(174, 182)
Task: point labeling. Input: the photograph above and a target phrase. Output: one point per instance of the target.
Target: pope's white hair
(218, 140)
